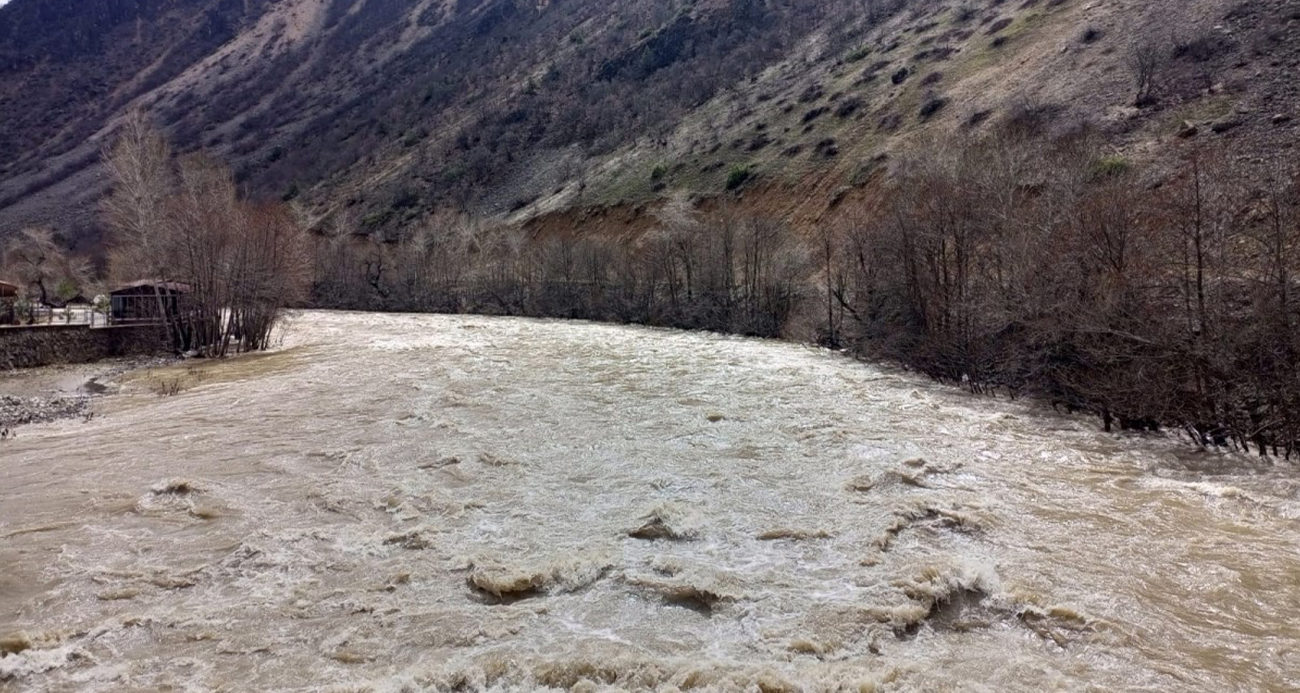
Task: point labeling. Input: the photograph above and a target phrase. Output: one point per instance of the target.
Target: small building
(8, 301)
(146, 301)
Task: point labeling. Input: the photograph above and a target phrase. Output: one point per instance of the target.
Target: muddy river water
(410, 503)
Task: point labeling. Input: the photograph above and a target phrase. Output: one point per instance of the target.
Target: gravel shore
(41, 395)
(16, 411)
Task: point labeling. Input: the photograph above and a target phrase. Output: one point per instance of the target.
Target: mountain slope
(384, 112)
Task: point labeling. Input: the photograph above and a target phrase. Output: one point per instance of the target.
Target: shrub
(932, 105)
(738, 176)
(1198, 49)
(1091, 35)
(376, 219)
(828, 148)
(1029, 116)
(658, 172)
(977, 118)
(1146, 61)
(999, 25)
(965, 13)
(812, 93)
(814, 114)
(848, 107)
(1110, 166)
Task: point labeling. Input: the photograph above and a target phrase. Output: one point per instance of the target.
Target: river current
(412, 503)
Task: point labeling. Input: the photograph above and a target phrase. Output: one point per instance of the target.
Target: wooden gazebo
(146, 301)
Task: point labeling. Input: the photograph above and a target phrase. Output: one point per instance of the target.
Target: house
(146, 301)
(8, 301)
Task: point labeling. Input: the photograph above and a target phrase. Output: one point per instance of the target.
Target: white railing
(64, 316)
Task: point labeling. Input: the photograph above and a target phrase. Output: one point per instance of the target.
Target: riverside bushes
(1012, 265)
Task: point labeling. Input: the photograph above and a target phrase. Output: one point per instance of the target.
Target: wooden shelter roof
(173, 287)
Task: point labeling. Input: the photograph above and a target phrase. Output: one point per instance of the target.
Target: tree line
(1010, 264)
(737, 274)
(1043, 267)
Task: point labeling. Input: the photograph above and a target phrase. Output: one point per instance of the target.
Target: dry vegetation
(184, 222)
(36, 261)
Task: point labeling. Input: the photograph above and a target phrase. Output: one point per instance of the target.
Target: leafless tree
(183, 221)
(1146, 58)
(41, 264)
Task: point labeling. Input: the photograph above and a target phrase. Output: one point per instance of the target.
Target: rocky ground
(16, 411)
(41, 395)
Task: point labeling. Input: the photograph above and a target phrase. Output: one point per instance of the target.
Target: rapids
(410, 503)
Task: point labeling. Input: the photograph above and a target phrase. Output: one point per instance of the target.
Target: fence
(76, 315)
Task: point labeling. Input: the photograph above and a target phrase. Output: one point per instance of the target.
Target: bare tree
(1145, 60)
(139, 165)
(41, 264)
(184, 222)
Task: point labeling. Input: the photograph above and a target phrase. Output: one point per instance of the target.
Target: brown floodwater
(410, 503)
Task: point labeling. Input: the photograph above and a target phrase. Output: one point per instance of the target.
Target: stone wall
(43, 345)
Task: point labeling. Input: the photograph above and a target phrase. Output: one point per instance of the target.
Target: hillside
(381, 113)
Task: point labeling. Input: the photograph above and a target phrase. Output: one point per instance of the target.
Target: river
(410, 503)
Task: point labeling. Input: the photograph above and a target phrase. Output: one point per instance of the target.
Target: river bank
(49, 393)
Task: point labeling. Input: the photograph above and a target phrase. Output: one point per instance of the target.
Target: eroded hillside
(382, 113)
